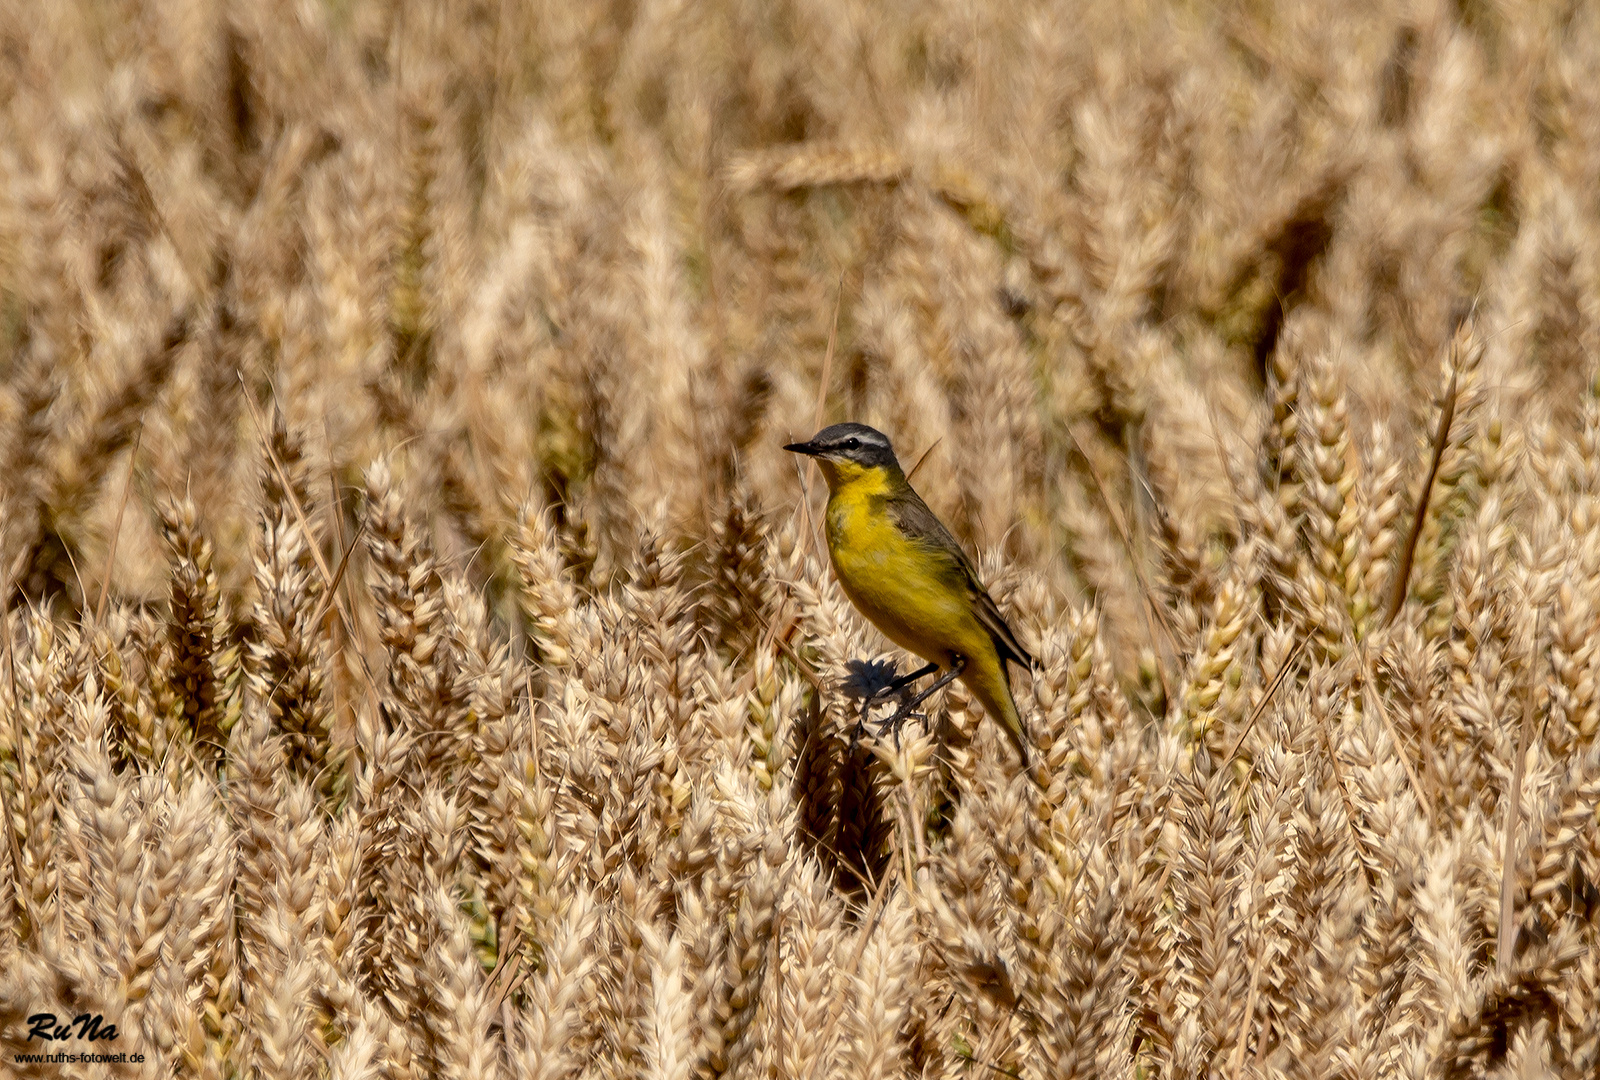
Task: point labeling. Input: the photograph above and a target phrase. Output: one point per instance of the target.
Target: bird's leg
(903, 681)
(889, 689)
(863, 684)
(904, 712)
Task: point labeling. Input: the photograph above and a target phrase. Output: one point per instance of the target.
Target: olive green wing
(920, 524)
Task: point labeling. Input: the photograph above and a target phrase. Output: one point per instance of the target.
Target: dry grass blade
(512, 984)
(814, 165)
(283, 478)
(116, 530)
(1252, 996)
(1408, 550)
(1374, 701)
(22, 762)
(1507, 942)
(874, 912)
(1153, 609)
(803, 467)
(329, 580)
(338, 576)
(827, 358)
(923, 457)
(1278, 678)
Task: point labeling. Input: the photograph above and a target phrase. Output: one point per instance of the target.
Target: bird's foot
(907, 710)
(888, 725)
(896, 720)
(874, 681)
(866, 681)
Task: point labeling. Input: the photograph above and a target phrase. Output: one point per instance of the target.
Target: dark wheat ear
(192, 630)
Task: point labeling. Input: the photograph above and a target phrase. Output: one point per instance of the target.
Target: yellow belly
(902, 589)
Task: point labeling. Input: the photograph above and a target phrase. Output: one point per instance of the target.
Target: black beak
(808, 449)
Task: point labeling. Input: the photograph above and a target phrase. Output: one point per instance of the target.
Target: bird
(908, 576)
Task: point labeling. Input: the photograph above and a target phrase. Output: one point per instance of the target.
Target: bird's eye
(852, 444)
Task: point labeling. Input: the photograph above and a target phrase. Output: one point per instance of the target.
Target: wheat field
(421, 659)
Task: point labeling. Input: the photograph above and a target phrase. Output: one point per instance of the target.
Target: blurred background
(590, 255)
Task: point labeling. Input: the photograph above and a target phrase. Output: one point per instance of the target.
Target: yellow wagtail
(903, 570)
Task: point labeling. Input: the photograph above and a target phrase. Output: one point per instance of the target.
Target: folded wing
(920, 524)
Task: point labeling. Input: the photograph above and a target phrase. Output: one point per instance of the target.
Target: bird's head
(849, 452)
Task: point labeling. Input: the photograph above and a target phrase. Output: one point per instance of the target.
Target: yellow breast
(897, 583)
